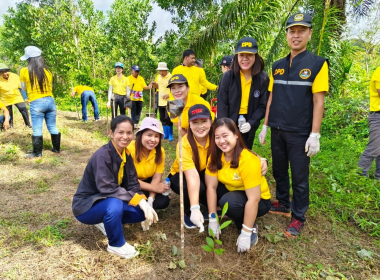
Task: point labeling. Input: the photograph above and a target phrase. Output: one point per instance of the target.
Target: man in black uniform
(298, 85)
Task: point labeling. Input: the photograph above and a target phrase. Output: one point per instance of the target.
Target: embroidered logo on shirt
(256, 93)
(279, 71)
(298, 17)
(305, 73)
(236, 177)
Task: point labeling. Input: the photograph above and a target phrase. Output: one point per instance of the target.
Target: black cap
(299, 19)
(246, 45)
(199, 111)
(177, 79)
(226, 60)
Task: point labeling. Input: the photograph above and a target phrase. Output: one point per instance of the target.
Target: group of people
(122, 182)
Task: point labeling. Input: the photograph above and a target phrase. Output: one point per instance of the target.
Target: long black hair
(36, 67)
(257, 67)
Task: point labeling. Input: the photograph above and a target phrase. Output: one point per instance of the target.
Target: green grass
(50, 234)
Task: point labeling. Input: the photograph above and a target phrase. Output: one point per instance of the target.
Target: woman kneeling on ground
(149, 159)
(109, 194)
(234, 175)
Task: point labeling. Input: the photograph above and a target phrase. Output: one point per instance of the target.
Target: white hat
(31, 51)
(162, 66)
(153, 124)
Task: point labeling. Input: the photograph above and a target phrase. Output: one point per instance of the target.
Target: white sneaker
(126, 251)
(101, 228)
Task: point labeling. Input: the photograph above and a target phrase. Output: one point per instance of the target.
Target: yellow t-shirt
(35, 93)
(81, 89)
(2, 104)
(138, 85)
(374, 99)
(245, 90)
(195, 77)
(119, 86)
(187, 156)
(147, 166)
(163, 89)
(320, 84)
(246, 176)
(9, 90)
(192, 99)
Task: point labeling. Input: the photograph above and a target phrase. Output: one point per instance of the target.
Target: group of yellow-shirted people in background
(123, 181)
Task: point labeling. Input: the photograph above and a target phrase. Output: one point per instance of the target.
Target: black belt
(374, 112)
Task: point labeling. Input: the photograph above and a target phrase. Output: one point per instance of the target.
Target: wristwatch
(212, 216)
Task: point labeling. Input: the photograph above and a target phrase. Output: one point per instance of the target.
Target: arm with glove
(312, 143)
(211, 186)
(193, 186)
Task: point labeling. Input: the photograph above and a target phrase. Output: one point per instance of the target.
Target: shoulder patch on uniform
(305, 73)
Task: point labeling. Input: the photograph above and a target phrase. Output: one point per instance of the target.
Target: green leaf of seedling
(175, 250)
(225, 224)
(363, 253)
(207, 248)
(182, 264)
(219, 251)
(210, 242)
(211, 232)
(218, 241)
(273, 238)
(225, 208)
(172, 265)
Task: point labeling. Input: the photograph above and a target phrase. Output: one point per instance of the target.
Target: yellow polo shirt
(147, 166)
(195, 76)
(320, 84)
(35, 92)
(2, 104)
(374, 99)
(245, 90)
(9, 90)
(163, 89)
(187, 156)
(246, 176)
(138, 85)
(192, 99)
(119, 86)
(81, 89)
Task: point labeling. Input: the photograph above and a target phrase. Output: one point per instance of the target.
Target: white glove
(150, 201)
(243, 242)
(196, 216)
(150, 214)
(312, 144)
(263, 134)
(245, 127)
(213, 224)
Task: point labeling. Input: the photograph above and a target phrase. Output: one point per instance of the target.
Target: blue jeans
(113, 212)
(40, 109)
(2, 119)
(86, 96)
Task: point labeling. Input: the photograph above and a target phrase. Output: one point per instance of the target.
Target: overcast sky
(162, 18)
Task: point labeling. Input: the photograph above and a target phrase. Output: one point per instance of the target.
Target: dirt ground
(41, 239)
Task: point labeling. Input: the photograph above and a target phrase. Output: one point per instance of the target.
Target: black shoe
(278, 208)
(37, 142)
(56, 141)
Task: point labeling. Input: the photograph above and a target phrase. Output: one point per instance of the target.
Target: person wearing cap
(164, 92)
(243, 91)
(5, 118)
(37, 81)
(86, 94)
(372, 151)
(194, 75)
(10, 94)
(298, 84)
(194, 156)
(226, 63)
(179, 89)
(118, 90)
(109, 194)
(234, 176)
(137, 86)
(149, 159)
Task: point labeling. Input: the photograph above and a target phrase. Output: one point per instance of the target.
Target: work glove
(196, 216)
(263, 135)
(149, 212)
(150, 201)
(312, 144)
(245, 127)
(244, 241)
(214, 225)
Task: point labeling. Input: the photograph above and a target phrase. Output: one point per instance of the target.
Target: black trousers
(161, 201)
(236, 204)
(23, 110)
(289, 147)
(136, 111)
(164, 117)
(174, 180)
(119, 103)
